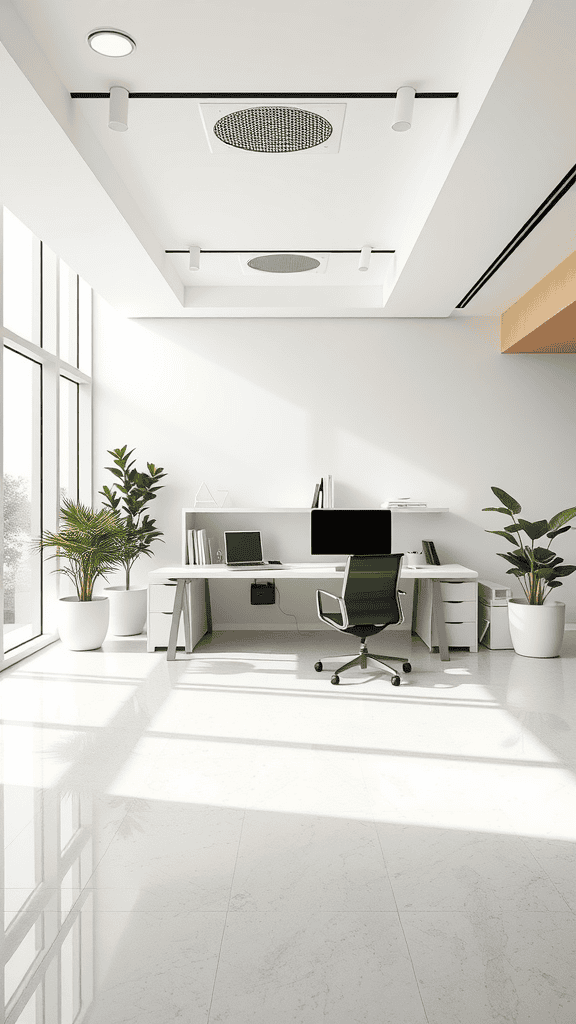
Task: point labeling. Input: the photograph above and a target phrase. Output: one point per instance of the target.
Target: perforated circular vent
(273, 129)
(283, 263)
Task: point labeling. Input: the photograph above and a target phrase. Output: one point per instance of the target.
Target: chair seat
(368, 629)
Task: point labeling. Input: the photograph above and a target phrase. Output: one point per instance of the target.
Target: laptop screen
(243, 546)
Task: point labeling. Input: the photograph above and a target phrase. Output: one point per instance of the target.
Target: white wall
(263, 408)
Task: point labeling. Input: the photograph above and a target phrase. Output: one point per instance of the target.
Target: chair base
(362, 660)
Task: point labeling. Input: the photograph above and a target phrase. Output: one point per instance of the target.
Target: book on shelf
(324, 493)
(199, 549)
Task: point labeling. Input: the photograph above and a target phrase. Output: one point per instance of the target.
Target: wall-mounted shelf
(228, 508)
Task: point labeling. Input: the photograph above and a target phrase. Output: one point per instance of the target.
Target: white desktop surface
(301, 571)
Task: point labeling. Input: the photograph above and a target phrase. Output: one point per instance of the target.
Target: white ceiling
(446, 196)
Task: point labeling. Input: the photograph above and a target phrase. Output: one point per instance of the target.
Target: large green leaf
(534, 530)
(519, 562)
(564, 570)
(491, 509)
(562, 517)
(544, 554)
(554, 533)
(507, 500)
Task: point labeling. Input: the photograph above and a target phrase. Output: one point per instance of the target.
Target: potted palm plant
(536, 623)
(130, 495)
(90, 543)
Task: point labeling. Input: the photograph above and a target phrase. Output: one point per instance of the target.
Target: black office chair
(368, 604)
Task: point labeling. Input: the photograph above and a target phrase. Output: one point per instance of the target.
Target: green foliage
(130, 496)
(538, 568)
(90, 542)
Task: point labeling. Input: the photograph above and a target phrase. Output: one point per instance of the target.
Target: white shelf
(237, 510)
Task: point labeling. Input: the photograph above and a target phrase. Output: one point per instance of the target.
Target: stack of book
(324, 493)
(404, 503)
(199, 548)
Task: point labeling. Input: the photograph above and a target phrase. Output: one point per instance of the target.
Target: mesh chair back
(370, 589)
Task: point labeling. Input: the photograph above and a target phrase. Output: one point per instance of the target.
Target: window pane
(18, 276)
(22, 499)
(68, 439)
(68, 327)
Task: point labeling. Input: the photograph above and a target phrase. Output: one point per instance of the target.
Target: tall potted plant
(129, 497)
(536, 623)
(90, 543)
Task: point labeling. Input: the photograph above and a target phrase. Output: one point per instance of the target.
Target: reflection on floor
(229, 839)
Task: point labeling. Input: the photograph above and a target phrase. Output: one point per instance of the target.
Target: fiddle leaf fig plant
(135, 492)
(539, 569)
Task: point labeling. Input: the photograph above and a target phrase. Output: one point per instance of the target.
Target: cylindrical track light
(118, 115)
(403, 108)
(194, 257)
(365, 254)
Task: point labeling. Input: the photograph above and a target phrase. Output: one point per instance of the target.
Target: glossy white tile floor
(229, 839)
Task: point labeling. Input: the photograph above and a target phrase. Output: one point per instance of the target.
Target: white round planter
(127, 610)
(83, 625)
(537, 630)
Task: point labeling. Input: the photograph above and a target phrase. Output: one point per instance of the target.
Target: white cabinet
(160, 605)
(460, 607)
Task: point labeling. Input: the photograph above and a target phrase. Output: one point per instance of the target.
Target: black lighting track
(244, 252)
(264, 95)
(549, 203)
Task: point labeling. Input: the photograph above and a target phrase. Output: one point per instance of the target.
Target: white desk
(195, 626)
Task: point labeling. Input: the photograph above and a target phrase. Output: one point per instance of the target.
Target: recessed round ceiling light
(111, 43)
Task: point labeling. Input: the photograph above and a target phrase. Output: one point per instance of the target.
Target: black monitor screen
(351, 531)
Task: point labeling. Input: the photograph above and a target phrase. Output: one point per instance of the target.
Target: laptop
(244, 549)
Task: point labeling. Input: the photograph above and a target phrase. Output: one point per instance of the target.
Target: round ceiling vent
(283, 263)
(273, 129)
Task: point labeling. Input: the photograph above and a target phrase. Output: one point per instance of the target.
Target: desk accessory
(430, 553)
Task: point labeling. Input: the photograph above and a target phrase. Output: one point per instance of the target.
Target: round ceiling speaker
(283, 263)
(273, 129)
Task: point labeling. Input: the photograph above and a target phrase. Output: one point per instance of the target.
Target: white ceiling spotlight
(110, 42)
(194, 251)
(403, 108)
(118, 113)
(365, 254)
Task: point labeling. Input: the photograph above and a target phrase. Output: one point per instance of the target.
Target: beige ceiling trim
(544, 319)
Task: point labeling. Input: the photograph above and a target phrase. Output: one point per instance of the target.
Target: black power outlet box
(262, 593)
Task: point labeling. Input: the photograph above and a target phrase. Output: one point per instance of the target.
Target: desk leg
(438, 620)
(176, 613)
(208, 606)
(187, 620)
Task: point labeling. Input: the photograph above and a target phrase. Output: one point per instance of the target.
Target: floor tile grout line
(400, 921)
(233, 876)
(525, 841)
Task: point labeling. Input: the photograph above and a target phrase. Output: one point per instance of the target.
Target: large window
(46, 320)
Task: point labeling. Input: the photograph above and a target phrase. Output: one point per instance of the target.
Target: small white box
(493, 629)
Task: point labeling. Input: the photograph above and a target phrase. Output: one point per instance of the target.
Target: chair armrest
(333, 598)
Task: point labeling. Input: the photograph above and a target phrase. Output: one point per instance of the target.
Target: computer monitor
(351, 531)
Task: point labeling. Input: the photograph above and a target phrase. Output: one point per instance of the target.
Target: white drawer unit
(460, 608)
(160, 605)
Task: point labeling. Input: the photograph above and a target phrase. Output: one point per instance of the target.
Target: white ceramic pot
(127, 610)
(82, 625)
(537, 630)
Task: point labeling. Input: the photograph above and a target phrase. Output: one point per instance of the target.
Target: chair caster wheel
(395, 680)
(335, 680)
(318, 666)
(406, 667)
